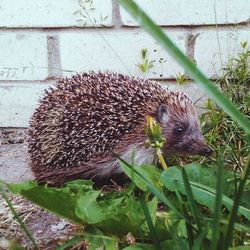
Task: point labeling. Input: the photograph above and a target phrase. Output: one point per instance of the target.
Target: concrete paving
(14, 163)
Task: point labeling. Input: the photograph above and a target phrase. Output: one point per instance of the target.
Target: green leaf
(61, 201)
(151, 173)
(88, 209)
(203, 194)
(79, 202)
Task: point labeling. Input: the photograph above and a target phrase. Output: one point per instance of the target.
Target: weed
(181, 78)
(146, 64)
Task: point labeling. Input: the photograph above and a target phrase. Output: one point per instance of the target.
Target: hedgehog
(83, 120)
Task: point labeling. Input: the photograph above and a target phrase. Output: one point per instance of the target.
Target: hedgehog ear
(163, 116)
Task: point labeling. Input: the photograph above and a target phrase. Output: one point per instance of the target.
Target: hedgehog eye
(179, 130)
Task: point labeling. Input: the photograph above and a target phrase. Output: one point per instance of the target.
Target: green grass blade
(189, 228)
(186, 63)
(12, 209)
(218, 203)
(191, 200)
(150, 224)
(237, 226)
(233, 214)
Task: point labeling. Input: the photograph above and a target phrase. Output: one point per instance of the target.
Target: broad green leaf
(150, 173)
(128, 210)
(58, 200)
(88, 209)
(203, 194)
(79, 202)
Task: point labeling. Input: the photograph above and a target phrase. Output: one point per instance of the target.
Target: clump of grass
(223, 135)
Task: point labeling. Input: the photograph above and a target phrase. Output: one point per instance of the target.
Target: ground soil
(48, 230)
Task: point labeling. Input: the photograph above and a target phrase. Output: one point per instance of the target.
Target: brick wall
(45, 39)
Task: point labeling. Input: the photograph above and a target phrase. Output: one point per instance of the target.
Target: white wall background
(41, 40)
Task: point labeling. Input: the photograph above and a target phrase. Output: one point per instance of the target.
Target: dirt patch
(14, 163)
(14, 156)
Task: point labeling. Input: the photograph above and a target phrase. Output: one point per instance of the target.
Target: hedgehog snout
(206, 151)
(200, 148)
(188, 146)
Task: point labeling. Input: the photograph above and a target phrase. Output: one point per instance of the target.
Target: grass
(223, 135)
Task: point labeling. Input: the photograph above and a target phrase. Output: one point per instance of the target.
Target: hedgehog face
(181, 129)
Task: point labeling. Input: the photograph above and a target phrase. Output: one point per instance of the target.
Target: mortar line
(123, 26)
(117, 21)
(54, 59)
(190, 44)
(26, 82)
(190, 50)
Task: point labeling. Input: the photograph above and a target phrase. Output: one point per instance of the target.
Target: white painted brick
(23, 56)
(195, 12)
(55, 13)
(118, 51)
(18, 102)
(212, 49)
